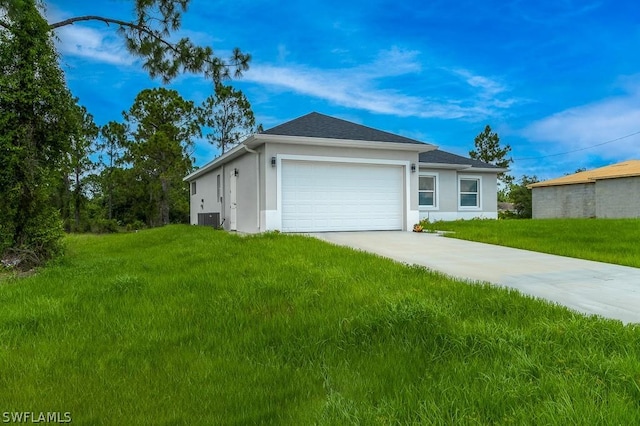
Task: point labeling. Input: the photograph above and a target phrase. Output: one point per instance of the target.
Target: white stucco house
(319, 173)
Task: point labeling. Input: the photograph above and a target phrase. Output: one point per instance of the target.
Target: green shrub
(42, 240)
(507, 214)
(136, 225)
(105, 226)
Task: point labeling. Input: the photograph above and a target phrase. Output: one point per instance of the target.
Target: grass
(186, 325)
(604, 240)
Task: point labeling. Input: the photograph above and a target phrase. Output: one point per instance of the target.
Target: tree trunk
(164, 202)
(77, 195)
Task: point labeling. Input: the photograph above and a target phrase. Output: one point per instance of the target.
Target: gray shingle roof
(316, 125)
(443, 157)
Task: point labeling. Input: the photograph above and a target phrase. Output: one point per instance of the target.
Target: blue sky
(558, 80)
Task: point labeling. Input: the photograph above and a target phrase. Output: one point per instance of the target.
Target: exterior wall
(205, 199)
(618, 198)
(447, 207)
(257, 183)
(448, 198)
(247, 201)
(489, 195)
(564, 201)
(270, 216)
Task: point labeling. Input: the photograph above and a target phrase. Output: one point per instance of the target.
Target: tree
(122, 190)
(36, 109)
(75, 167)
(228, 113)
(521, 197)
(488, 149)
(78, 161)
(147, 38)
(36, 120)
(112, 140)
(159, 149)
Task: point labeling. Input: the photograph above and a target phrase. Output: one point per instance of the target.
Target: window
(218, 186)
(193, 188)
(469, 192)
(427, 191)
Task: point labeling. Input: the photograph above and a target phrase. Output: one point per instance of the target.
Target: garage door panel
(320, 196)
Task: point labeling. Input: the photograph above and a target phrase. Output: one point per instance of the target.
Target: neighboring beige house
(318, 173)
(608, 192)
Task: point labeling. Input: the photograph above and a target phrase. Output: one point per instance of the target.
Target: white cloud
(487, 86)
(362, 87)
(393, 62)
(98, 46)
(334, 87)
(589, 128)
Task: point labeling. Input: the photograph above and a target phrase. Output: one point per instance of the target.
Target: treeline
(59, 170)
(129, 173)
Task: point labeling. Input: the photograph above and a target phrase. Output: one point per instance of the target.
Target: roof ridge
(319, 125)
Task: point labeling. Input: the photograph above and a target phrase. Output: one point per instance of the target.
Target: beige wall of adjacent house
(604, 198)
(618, 198)
(564, 201)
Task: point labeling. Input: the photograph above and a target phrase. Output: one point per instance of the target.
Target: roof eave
(258, 139)
(235, 152)
(461, 167)
(489, 169)
(445, 166)
(546, 184)
(344, 143)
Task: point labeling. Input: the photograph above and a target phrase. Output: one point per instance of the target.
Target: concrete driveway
(611, 291)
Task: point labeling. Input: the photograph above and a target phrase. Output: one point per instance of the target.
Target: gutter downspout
(223, 197)
(257, 185)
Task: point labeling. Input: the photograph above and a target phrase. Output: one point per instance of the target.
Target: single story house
(319, 173)
(607, 192)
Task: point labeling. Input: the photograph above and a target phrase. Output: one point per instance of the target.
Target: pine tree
(488, 149)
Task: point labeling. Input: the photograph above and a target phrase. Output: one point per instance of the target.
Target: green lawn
(186, 325)
(604, 240)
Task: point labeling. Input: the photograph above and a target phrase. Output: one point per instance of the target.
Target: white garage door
(324, 196)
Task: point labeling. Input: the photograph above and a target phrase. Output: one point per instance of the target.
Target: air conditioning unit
(209, 219)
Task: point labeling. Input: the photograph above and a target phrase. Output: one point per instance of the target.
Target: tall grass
(186, 325)
(603, 240)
